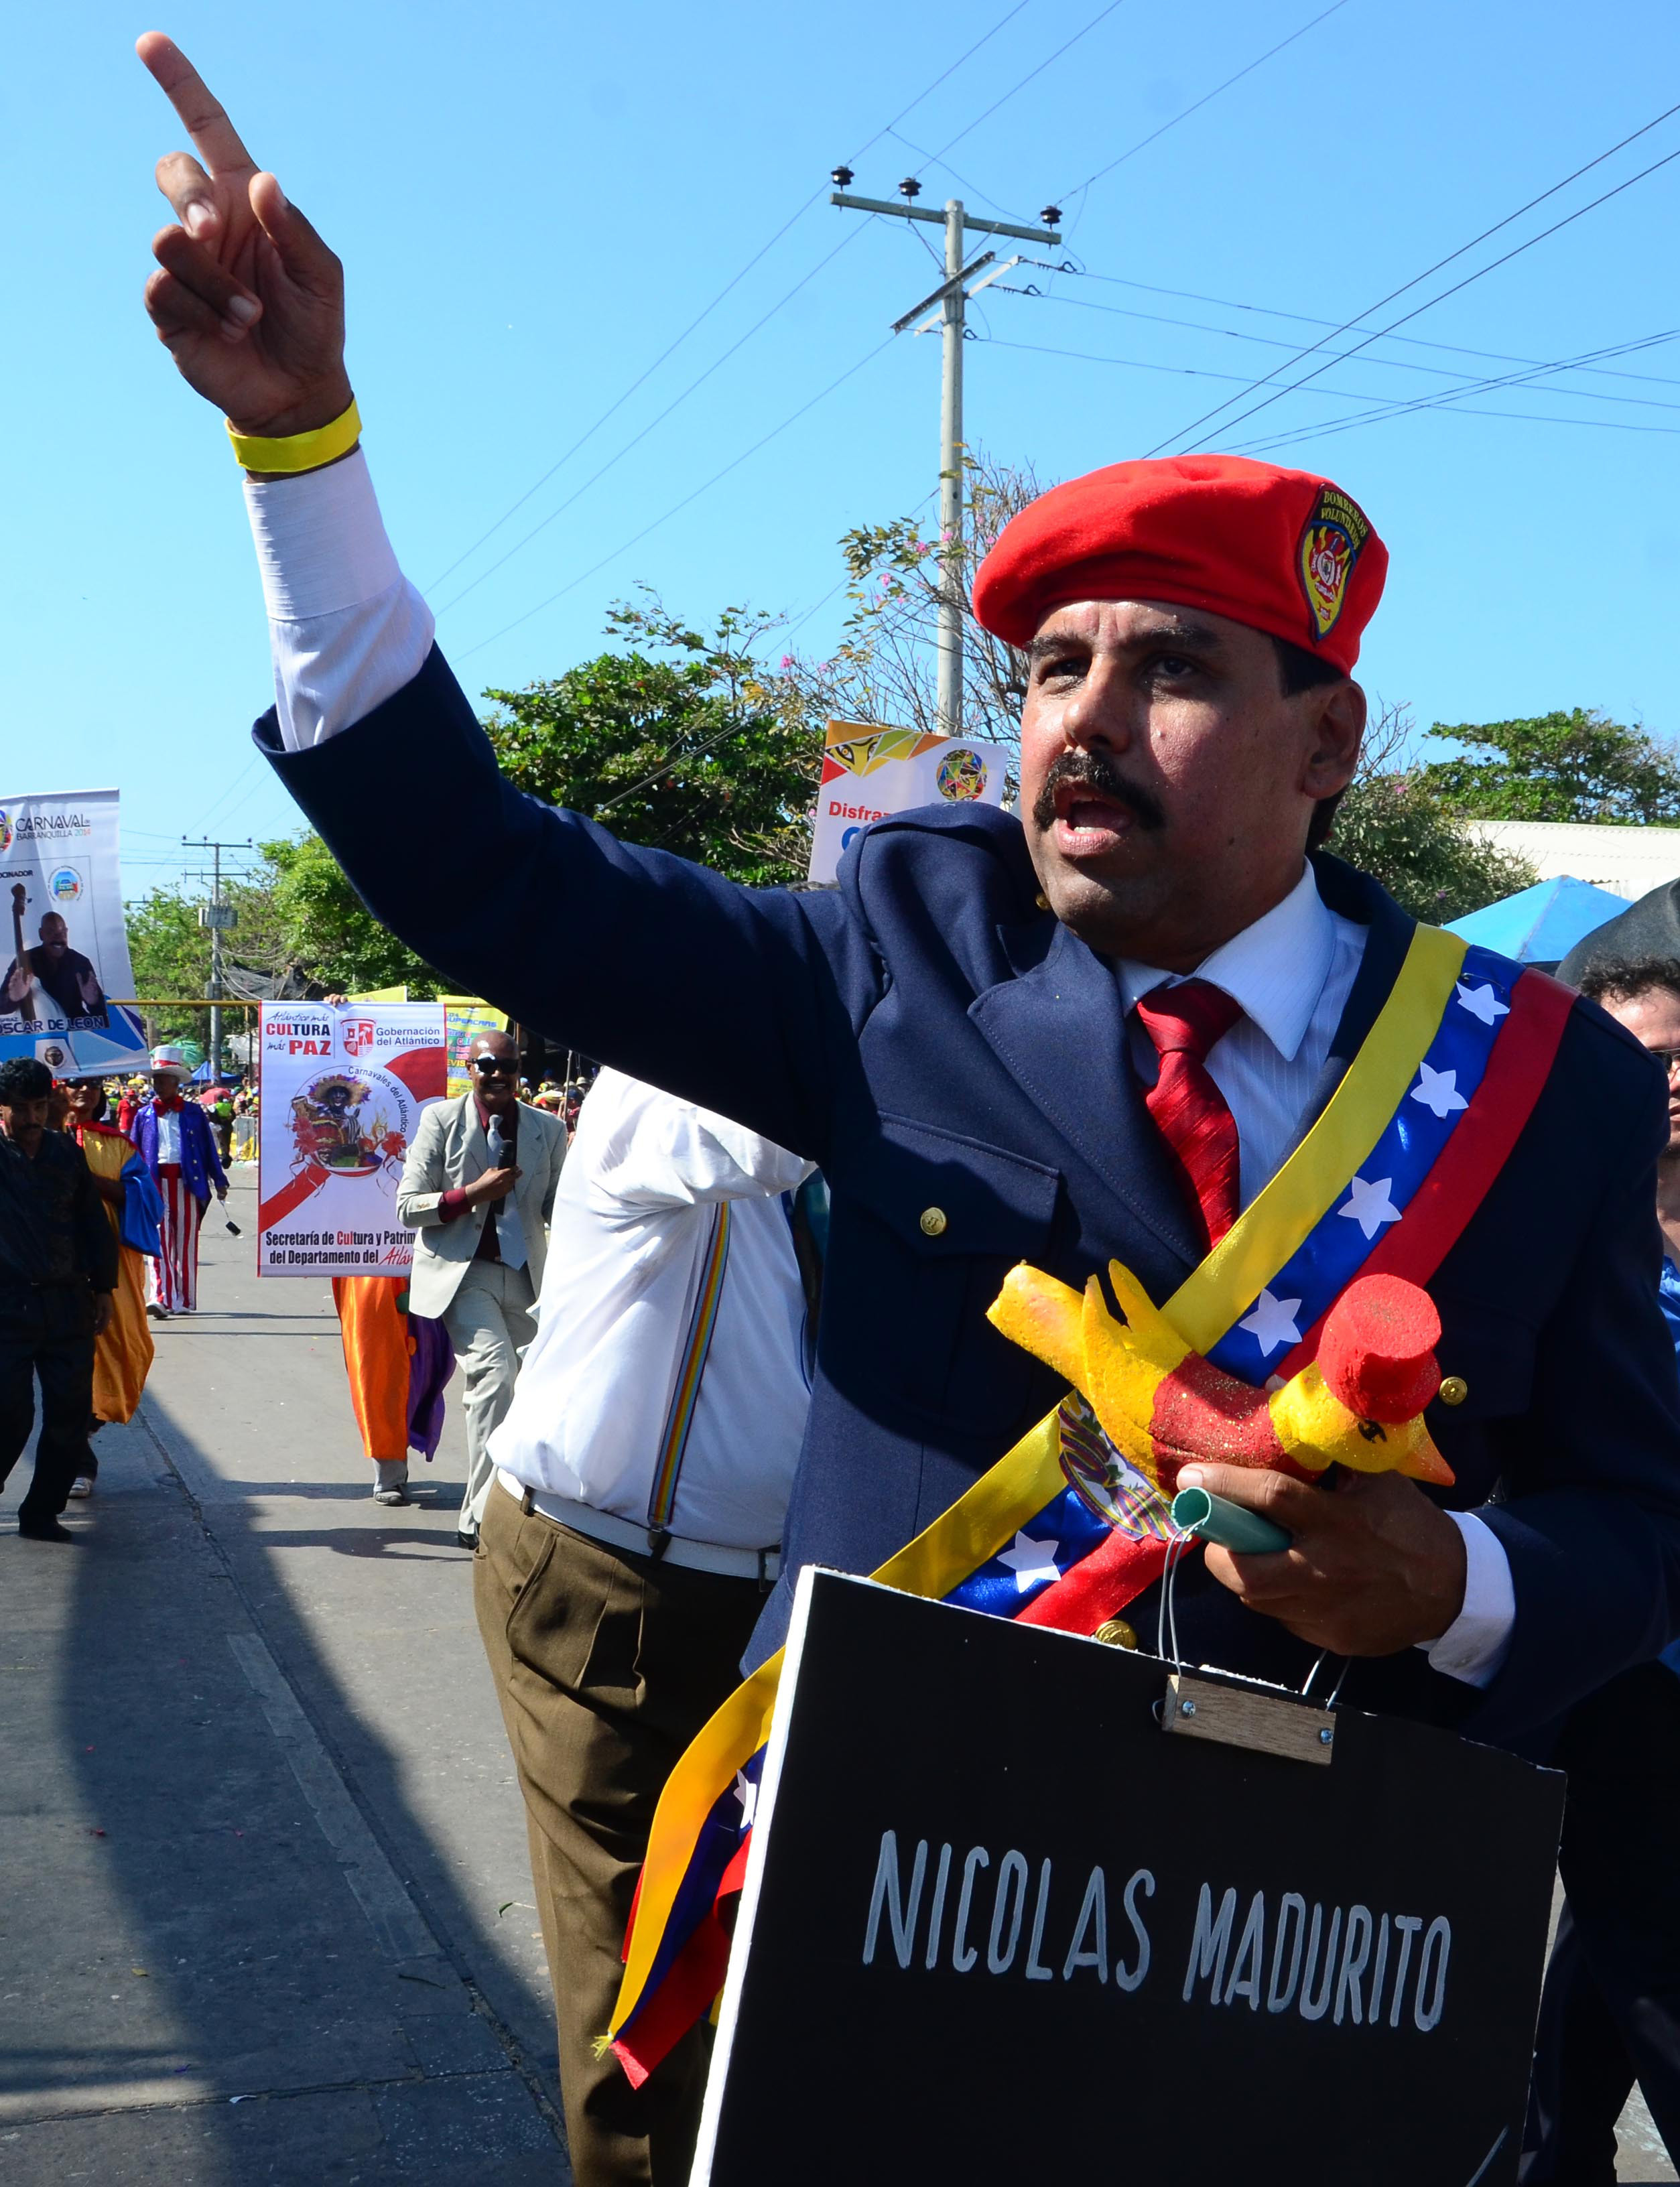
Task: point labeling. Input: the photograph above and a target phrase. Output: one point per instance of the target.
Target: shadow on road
(240, 1934)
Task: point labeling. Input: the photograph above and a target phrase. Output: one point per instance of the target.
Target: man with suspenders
(632, 1537)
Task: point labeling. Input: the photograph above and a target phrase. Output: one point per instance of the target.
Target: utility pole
(218, 917)
(952, 296)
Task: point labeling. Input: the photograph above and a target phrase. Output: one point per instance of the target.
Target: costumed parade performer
(123, 1351)
(398, 1363)
(1148, 1032)
(174, 1141)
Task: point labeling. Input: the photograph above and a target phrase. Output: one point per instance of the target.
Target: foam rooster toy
(1358, 1404)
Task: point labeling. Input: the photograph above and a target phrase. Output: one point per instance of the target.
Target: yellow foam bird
(1358, 1404)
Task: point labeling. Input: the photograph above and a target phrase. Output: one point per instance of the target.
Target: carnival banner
(342, 1089)
(869, 772)
(467, 1018)
(68, 951)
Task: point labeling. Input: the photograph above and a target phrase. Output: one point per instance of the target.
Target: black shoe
(467, 1536)
(44, 1530)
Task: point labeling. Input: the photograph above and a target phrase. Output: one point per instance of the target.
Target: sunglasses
(1669, 1058)
(495, 1067)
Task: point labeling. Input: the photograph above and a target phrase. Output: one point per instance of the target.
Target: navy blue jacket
(933, 1038)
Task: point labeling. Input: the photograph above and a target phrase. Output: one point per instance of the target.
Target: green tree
(170, 951)
(1577, 766)
(1391, 824)
(681, 742)
(329, 938)
(898, 575)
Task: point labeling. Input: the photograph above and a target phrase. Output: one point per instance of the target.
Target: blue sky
(532, 201)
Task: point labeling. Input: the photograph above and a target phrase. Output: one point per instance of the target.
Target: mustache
(1096, 772)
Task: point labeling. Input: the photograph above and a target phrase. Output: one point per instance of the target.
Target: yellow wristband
(299, 452)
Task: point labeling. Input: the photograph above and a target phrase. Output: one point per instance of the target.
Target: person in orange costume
(123, 1355)
(398, 1363)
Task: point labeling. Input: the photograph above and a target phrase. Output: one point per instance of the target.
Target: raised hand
(249, 301)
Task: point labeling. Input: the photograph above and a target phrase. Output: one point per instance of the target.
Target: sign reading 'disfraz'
(996, 1918)
(342, 1090)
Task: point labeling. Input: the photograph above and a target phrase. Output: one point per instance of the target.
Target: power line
(1387, 364)
(1196, 106)
(1196, 424)
(1448, 396)
(850, 237)
(729, 287)
(1306, 319)
(1020, 84)
(675, 507)
(932, 159)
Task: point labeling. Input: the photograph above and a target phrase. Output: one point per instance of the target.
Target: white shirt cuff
(345, 629)
(1473, 1646)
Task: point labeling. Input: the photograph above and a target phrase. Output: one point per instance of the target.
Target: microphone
(498, 1145)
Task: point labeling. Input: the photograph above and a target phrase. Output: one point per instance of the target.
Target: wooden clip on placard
(1242, 1714)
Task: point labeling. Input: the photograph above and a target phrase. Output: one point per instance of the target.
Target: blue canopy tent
(1540, 925)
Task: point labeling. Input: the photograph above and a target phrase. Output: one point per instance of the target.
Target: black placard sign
(999, 1925)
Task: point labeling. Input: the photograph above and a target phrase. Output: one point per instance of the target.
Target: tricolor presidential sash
(1384, 1183)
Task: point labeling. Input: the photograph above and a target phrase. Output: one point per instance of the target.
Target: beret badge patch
(1330, 543)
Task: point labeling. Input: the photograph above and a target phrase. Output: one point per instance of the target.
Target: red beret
(1282, 551)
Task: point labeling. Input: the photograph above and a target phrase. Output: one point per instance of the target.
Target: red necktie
(167, 1108)
(1189, 1111)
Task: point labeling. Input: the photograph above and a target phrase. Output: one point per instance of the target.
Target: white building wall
(1628, 862)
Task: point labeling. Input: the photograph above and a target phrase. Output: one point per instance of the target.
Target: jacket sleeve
(218, 1176)
(424, 1182)
(1589, 1514)
(94, 1234)
(747, 1001)
(556, 1141)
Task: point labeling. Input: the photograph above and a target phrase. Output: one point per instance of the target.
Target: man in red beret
(1191, 628)
(1149, 1022)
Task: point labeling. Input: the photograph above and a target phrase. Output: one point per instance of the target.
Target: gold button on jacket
(933, 1221)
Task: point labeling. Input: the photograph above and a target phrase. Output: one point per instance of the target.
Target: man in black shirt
(66, 977)
(58, 1270)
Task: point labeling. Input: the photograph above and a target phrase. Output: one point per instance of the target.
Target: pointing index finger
(203, 117)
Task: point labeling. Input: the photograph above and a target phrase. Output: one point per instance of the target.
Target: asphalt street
(265, 1911)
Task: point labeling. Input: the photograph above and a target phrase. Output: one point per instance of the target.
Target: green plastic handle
(1210, 1518)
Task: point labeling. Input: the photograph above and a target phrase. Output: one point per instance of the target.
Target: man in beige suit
(477, 1190)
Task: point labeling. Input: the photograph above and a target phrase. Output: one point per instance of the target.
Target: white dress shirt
(169, 1136)
(346, 628)
(627, 1244)
(1292, 972)
(347, 631)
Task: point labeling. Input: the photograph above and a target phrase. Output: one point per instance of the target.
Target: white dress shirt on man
(169, 1135)
(347, 631)
(627, 1246)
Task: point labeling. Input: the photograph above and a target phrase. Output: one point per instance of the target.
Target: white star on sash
(747, 1793)
(1031, 1561)
(1369, 1204)
(1482, 1002)
(1273, 1323)
(1438, 1090)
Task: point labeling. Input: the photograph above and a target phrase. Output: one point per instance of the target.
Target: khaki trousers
(490, 1321)
(606, 1664)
